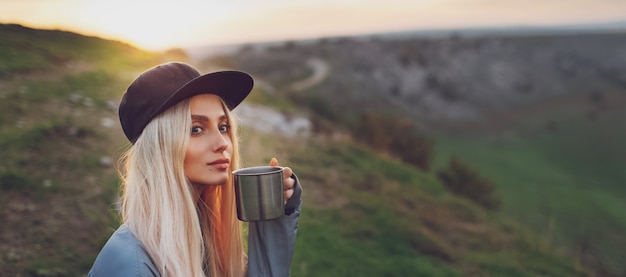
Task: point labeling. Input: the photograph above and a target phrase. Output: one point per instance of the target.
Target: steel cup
(259, 193)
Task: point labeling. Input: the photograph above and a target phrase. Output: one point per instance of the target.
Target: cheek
(191, 156)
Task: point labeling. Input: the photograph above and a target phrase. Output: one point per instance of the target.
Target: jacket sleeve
(271, 243)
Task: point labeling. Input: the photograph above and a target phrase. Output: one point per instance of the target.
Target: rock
(106, 161)
(268, 120)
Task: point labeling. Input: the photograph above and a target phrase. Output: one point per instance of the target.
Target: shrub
(15, 180)
(374, 130)
(397, 136)
(414, 149)
(463, 180)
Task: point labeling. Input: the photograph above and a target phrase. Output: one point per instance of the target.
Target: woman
(178, 210)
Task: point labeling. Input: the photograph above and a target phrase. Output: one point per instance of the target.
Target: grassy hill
(371, 215)
(57, 183)
(541, 116)
(366, 213)
(565, 180)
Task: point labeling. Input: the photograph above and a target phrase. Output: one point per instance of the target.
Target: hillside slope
(58, 144)
(542, 116)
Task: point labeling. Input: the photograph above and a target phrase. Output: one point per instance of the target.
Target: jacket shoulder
(123, 255)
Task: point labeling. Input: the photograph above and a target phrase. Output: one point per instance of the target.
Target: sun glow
(153, 25)
(163, 24)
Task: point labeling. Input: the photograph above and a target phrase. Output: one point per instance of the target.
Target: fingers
(287, 172)
(288, 182)
(287, 194)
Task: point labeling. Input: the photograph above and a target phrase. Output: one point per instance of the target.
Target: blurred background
(433, 138)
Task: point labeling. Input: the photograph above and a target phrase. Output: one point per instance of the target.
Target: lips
(220, 163)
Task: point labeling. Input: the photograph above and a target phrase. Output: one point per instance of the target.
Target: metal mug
(259, 193)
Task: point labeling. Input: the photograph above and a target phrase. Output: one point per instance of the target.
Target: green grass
(26, 50)
(397, 221)
(566, 184)
(55, 88)
(332, 244)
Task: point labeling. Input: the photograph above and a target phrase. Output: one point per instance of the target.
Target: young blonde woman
(178, 210)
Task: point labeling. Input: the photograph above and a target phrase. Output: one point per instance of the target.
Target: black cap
(162, 86)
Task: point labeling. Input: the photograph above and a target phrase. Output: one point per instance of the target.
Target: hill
(366, 213)
(542, 115)
(58, 144)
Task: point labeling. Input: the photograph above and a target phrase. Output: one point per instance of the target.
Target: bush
(374, 130)
(10, 180)
(414, 149)
(463, 180)
(398, 137)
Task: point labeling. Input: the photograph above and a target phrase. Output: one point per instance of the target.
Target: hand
(288, 182)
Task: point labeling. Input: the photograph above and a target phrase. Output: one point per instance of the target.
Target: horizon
(189, 23)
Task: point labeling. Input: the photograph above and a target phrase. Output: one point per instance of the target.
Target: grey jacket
(270, 247)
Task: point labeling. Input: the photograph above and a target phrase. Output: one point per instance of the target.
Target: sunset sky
(159, 24)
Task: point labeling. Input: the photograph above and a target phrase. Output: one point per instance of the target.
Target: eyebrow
(203, 118)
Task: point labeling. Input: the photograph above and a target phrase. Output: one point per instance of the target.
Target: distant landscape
(459, 155)
(540, 112)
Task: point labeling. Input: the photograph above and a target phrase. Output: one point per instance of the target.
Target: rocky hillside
(454, 79)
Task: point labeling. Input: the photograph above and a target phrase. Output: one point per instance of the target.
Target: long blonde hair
(184, 236)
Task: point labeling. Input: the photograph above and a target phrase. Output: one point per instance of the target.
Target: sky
(160, 24)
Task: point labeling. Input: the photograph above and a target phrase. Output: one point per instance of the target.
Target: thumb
(274, 162)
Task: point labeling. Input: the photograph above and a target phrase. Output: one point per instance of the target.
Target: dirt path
(320, 72)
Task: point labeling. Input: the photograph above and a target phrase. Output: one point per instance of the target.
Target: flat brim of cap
(231, 86)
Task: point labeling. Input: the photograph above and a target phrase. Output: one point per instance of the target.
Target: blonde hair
(184, 236)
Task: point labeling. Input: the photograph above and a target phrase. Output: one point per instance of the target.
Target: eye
(223, 128)
(195, 130)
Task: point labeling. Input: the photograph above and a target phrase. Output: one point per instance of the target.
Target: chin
(212, 181)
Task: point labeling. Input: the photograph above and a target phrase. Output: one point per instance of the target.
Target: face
(208, 156)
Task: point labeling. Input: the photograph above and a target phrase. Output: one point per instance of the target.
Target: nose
(219, 142)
